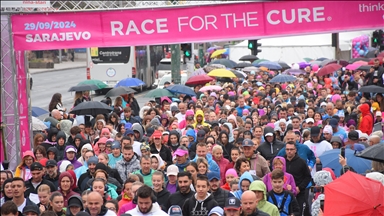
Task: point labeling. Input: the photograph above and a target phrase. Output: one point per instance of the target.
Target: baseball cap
(128, 131)
(51, 163)
(247, 142)
(156, 134)
(83, 213)
(115, 145)
(308, 120)
(31, 208)
(333, 122)
(269, 134)
(315, 131)
(180, 152)
(217, 211)
(293, 99)
(172, 170)
(75, 201)
(144, 147)
(213, 175)
(378, 114)
(323, 104)
(93, 160)
(175, 210)
(232, 203)
(36, 166)
(43, 161)
(200, 135)
(71, 149)
(174, 109)
(150, 131)
(353, 135)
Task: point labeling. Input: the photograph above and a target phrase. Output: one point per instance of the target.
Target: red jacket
(223, 163)
(366, 124)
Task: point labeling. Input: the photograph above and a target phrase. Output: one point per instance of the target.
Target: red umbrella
(372, 61)
(328, 69)
(354, 194)
(201, 79)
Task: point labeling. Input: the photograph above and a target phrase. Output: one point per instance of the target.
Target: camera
(317, 189)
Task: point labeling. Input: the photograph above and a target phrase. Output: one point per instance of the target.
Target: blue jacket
(245, 176)
(240, 110)
(304, 152)
(212, 165)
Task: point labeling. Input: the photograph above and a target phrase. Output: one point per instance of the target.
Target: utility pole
(201, 55)
(191, 62)
(175, 63)
(335, 43)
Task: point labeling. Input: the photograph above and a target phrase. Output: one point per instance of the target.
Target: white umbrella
(37, 124)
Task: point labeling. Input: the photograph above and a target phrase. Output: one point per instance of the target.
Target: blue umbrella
(269, 65)
(282, 78)
(331, 159)
(37, 111)
(130, 82)
(181, 89)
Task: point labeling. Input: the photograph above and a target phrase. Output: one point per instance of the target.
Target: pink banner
(25, 142)
(192, 24)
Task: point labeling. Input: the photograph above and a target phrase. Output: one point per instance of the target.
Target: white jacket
(156, 210)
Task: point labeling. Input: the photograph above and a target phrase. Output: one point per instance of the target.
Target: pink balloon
(315, 67)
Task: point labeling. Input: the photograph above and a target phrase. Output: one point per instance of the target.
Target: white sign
(25, 4)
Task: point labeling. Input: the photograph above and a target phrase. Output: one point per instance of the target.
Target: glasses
(363, 139)
(290, 149)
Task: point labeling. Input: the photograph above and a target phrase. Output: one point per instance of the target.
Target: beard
(145, 212)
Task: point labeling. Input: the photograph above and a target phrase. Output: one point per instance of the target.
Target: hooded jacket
(103, 212)
(126, 167)
(245, 176)
(300, 172)
(179, 198)
(162, 198)
(137, 127)
(194, 207)
(270, 150)
(212, 165)
(55, 151)
(174, 147)
(226, 147)
(183, 123)
(155, 210)
(65, 126)
(76, 164)
(222, 163)
(85, 146)
(231, 139)
(165, 153)
(366, 124)
(96, 148)
(304, 152)
(192, 145)
(288, 178)
(263, 204)
(31, 189)
(21, 170)
(77, 199)
(61, 148)
(201, 113)
(78, 148)
(70, 192)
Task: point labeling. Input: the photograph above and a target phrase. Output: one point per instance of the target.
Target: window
(102, 55)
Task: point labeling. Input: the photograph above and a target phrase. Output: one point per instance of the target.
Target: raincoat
(263, 204)
(245, 176)
(288, 178)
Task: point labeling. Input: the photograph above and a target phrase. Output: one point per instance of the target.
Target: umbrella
(325, 62)
(321, 59)
(130, 82)
(199, 80)
(282, 78)
(213, 48)
(354, 194)
(372, 61)
(372, 89)
(181, 89)
(364, 67)
(37, 124)
(329, 61)
(37, 111)
(331, 159)
(155, 93)
(380, 55)
(328, 69)
(258, 61)
(199, 71)
(303, 65)
(99, 83)
(221, 73)
(239, 74)
(218, 53)
(372, 54)
(375, 153)
(358, 59)
(283, 65)
(83, 87)
(270, 65)
(295, 71)
(243, 65)
(308, 59)
(315, 63)
(250, 58)
(226, 62)
(210, 88)
(249, 69)
(352, 66)
(122, 90)
(360, 62)
(92, 108)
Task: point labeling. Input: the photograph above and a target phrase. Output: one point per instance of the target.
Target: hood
(259, 186)
(63, 166)
(66, 174)
(199, 112)
(232, 117)
(336, 139)
(75, 198)
(143, 110)
(29, 153)
(78, 136)
(87, 146)
(61, 134)
(173, 132)
(188, 113)
(164, 116)
(282, 160)
(230, 135)
(192, 133)
(155, 122)
(51, 132)
(65, 126)
(207, 198)
(137, 127)
(269, 130)
(52, 149)
(65, 153)
(159, 159)
(364, 108)
(245, 176)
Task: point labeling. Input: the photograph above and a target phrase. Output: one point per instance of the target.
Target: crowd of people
(251, 148)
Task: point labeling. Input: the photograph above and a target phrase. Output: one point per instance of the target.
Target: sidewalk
(60, 66)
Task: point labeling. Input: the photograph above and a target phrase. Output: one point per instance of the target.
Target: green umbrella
(258, 61)
(98, 83)
(308, 59)
(155, 93)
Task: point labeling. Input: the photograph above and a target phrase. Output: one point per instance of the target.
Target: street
(48, 83)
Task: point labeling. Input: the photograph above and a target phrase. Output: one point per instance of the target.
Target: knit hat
(93, 160)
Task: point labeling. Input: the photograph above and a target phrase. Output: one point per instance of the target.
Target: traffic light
(375, 40)
(253, 46)
(187, 49)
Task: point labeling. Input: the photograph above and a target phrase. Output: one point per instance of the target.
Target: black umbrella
(283, 65)
(83, 87)
(250, 58)
(92, 108)
(372, 89)
(358, 59)
(372, 54)
(238, 74)
(375, 153)
(364, 67)
(122, 90)
(243, 65)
